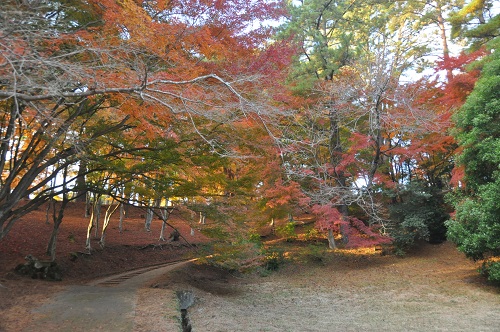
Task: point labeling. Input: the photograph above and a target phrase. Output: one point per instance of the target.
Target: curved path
(106, 304)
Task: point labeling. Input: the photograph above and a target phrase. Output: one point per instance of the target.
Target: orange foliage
(420, 128)
(283, 193)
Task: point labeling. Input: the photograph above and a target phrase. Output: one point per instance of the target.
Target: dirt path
(101, 306)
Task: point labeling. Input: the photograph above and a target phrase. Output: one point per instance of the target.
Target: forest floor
(434, 288)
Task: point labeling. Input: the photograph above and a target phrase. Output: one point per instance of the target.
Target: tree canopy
(360, 114)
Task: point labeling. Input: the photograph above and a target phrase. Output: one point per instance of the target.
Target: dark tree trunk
(57, 218)
(335, 159)
(81, 184)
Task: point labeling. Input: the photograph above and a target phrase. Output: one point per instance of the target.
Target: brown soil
(433, 289)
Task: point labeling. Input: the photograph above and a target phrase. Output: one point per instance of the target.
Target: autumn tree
(234, 192)
(63, 62)
(428, 154)
(423, 152)
(352, 59)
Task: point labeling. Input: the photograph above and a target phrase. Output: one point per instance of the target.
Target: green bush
(475, 227)
(239, 255)
(287, 231)
(418, 214)
(273, 260)
(492, 271)
(410, 230)
(255, 238)
(311, 234)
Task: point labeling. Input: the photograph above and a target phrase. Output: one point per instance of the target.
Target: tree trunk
(376, 133)
(335, 149)
(57, 219)
(109, 212)
(51, 247)
(96, 209)
(89, 231)
(149, 219)
(50, 204)
(88, 205)
(81, 185)
(345, 218)
(162, 232)
(122, 216)
(164, 217)
(444, 40)
(202, 218)
(331, 240)
(97, 215)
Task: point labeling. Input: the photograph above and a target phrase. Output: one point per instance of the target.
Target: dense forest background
(379, 120)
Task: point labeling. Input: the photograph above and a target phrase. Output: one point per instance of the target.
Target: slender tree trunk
(109, 212)
(376, 134)
(122, 216)
(149, 219)
(202, 218)
(51, 247)
(57, 218)
(345, 216)
(335, 159)
(444, 40)
(164, 217)
(331, 240)
(88, 205)
(50, 204)
(89, 231)
(97, 215)
(162, 231)
(93, 220)
(81, 184)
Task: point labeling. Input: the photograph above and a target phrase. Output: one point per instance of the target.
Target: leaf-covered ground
(130, 249)
(433, 289)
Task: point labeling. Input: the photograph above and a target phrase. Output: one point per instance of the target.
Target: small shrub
(273, 260)
(418, 214)
(255, 238)
(287, 231)
(491, 270)
(311, 234)
(314, 253)
(409, 231)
